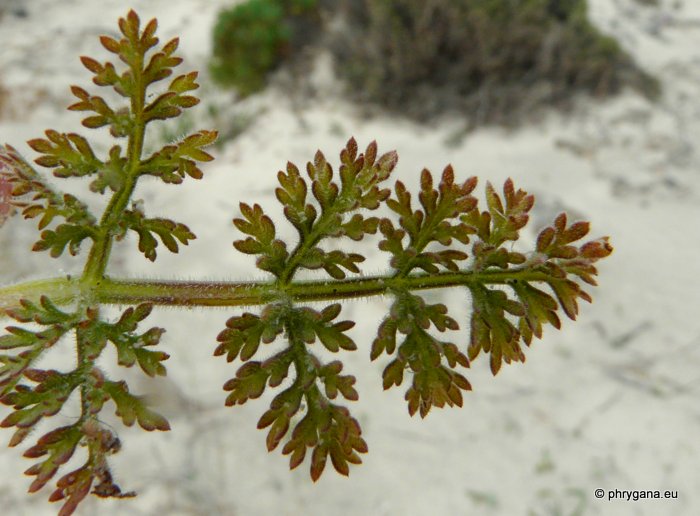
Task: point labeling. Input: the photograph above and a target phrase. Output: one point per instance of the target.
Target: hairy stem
(221, 293)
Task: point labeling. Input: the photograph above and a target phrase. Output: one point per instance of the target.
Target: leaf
(166, 230)
(432, 383)
(45, 201)
(435, 387)
(249, 383)
(262, 239)
(491, 331)
(502, 222)
(170, 104)
(161, 64)
(292, 195)
(332, 336)
(131, 347)
(540, 308)
(325, 426)
(74, 486)
(112, 173)
(386, 339)
(358, 226)
(336, 433)
(106, 74)
(174, 162)
(70, 235)
(46, 313)
(436, 222)
(35, 394)
(243, 334)
(334, 382)
(44, 400)
(321, 174)
(131, 408)
(361, 176)
(59, 444)
(121, 121)
(69, 153)
(35, 343)
(358, 188)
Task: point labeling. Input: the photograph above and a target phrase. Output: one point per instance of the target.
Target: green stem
(305, 367)
(99, 253)
(424, 237)
(62, 290)
(342, 205)
(222, 293)
(318, 231)
(84, 363)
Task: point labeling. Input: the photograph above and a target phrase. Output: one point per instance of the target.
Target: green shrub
(493, 59)
(252, 38)
(248, 40)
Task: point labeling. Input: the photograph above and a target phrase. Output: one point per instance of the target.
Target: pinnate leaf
(74, 486)
(433, 383)
(435, 222)
(121, 122)
(171, 103)
(65, 235)
(45, 313)
(513, 294)
(360, 177)
(35, 343)
(46, 399)
(112, 173)
(331, 335)
(243, 334)
(491, 331)
(292, 195)
(70, 154)
(59, 444)
(131, 347)
(253, 377)
(19, 179)
(335, 383)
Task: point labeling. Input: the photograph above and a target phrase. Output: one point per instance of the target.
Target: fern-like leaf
(441, 238)
(332, 210)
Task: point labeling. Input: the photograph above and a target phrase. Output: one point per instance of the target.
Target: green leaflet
(498, 322)
(70, 154)
(131, 408)
(166, 230)
(52, 388)
(48, 203)
(56, 240)
(446, 231)
(433, 382)
(173, 162)
(28, 344)
(360, 177)
(34, 393)
(322, 207)
(326, 427)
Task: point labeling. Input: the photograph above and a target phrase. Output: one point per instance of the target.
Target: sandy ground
(610, 402)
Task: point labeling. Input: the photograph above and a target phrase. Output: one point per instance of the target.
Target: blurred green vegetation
(252, 38)
(493, 60)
